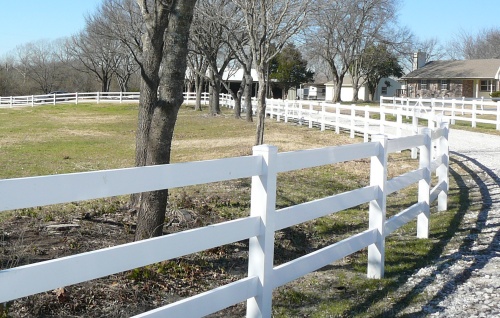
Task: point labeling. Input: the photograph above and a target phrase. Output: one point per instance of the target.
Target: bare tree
(96, 54)
(431, 47)
(483, 45)
(198, 68)
(238, 40)
(126, 67)
(343, 28)
(209, 38)
(39, 63)
(270, 24)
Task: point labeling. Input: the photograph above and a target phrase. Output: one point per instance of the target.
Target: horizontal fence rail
(259, 227)
(472, 111)
(68, 98)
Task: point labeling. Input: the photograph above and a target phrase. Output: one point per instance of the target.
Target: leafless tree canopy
(341, 29)
(269, 24)
(483, 45)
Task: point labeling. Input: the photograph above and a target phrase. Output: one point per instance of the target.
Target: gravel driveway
(465, 280)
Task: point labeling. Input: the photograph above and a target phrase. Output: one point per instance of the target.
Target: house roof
(463, 69)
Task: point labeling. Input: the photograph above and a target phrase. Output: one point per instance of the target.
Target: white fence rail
(469, 110)
(67, 98)
(263, 166)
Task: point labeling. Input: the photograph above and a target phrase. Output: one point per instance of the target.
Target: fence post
(353, 123)
(261, 248)
(453, 109)
(366, 136)
(310, 115)
(498, 115)
(76, 98)
(98, 97)
(337, 118)
(443, 169)
(382, 119)
(278, 111)
(286, 111)
(299, 113)
(323, 116)
(399, 120)
(424, 185)
(474, 113)
(377, 211)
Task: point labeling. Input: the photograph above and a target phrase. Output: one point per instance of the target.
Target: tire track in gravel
(465, 280)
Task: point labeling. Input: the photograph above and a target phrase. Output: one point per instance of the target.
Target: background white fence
(67, 98)
(259, 227)
(318, 113)
(469, 110)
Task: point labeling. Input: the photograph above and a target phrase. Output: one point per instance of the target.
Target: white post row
(261, 248)
(377, 210)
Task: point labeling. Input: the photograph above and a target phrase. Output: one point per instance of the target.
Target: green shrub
(495, 94)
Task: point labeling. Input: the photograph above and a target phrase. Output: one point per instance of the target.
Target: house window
(384, 90)
(423, 84)
(487, 86)
(444, 84)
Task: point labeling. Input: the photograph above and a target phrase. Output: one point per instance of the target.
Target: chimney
(418, 60)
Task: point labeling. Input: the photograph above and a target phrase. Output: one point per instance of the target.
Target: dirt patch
(33, 235)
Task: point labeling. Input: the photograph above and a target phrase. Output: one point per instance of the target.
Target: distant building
(385, 87)
(453, 79)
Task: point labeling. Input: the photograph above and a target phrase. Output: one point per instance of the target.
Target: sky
(443, 19)
(24, 21)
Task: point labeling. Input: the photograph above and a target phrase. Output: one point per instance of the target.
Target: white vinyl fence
(469, 110)
(259, 227)
(68, 98)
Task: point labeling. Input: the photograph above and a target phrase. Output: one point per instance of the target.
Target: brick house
(453, 79)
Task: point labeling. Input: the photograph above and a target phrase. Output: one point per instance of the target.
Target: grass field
(68, 138)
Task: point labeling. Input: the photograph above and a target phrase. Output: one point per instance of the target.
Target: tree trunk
(337, 91)
(163, 115)
(151, 215)
(338, 88)
(214, 94)
(355, 92)
(248, 97)
(150, 80)
(237, 100)
(261, 106)
(199, 82)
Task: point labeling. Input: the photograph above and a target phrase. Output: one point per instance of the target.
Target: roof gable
(486, 68)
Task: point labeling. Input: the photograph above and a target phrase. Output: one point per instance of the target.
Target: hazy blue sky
(24, 21)
(444, 18)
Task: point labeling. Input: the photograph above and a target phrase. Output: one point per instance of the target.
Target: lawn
(69, 138)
